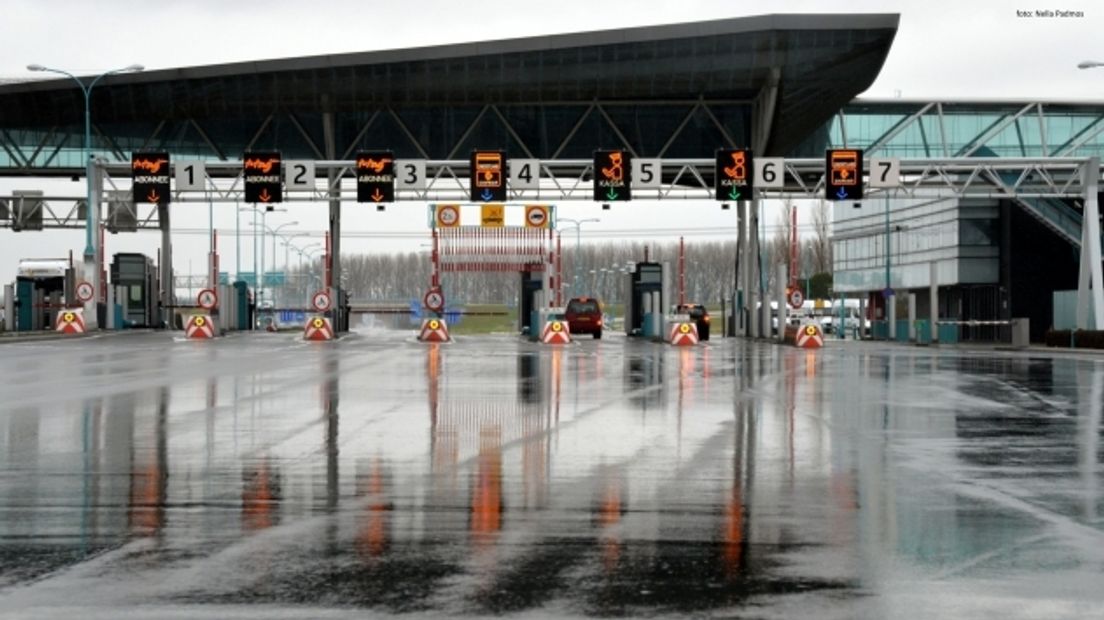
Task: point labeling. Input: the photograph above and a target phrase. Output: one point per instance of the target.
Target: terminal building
(783, 85)
(996, 258)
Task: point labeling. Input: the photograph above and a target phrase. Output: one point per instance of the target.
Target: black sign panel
(612, 176)
(262, 177)
(375, 176)
(843, 174)
(149, 173)
(488, 176)
(734, 174)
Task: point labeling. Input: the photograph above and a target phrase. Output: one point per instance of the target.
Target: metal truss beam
(568, 180)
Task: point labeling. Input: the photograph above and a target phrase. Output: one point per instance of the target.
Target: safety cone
(199, 327)
(318, 329)
(70, 322)
(809, 336)
(683, 334)
(556, 332)
(434, 330)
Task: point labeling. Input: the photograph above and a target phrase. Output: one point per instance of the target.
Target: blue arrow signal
(487, 195)
(841, 193)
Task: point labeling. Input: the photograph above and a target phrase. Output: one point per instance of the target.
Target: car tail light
(705, 318)
(599, 322)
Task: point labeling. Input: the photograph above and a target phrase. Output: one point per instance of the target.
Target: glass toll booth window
(647, 278)
(135, 279)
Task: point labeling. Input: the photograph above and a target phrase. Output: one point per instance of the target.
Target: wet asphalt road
(262, 477)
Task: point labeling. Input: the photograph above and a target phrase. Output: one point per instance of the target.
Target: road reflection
(462, 480)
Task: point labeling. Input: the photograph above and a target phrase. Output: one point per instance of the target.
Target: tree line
(596, 269)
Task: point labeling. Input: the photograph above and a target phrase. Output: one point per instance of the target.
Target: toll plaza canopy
(680, 90)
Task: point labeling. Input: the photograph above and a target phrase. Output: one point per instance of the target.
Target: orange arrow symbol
(377, 196)
(264, 196)
(153, 197)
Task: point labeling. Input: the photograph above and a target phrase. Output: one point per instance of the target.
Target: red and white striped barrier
(318, 329)
(434, 330)
(556, 332)
(810, 336)
(70, 322)
(200, 327)
(683, 334)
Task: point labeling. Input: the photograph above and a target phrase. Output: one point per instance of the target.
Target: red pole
(682, 272)
(328, 264)
(794, 257)
(434, 279)
(559, 269)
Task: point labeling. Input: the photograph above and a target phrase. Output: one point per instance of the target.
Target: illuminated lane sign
(149, 174)
(375, 176)
(262, 176)
(843, 174)
(488, 176)
(734, 174)
(612, 176)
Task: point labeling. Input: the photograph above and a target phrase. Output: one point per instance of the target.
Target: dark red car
(584, 316)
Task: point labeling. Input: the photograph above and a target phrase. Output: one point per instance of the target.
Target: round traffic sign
(207, 299)
(321, 301)
(85, 291)
(536, 216)
(434, 300)
(448, 216)
(796, 298)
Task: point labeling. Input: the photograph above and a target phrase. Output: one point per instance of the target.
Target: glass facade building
(986, 250)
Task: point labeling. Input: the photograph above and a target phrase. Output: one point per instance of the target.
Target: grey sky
(948, 50)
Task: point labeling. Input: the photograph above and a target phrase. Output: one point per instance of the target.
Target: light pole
(577, 224)
(286, 240)
(89, 251)
(259, 277)
(314, 247)
(274, 232)
(90, 259)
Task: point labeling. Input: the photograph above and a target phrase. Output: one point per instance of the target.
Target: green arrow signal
(734, 194)
(611, 194)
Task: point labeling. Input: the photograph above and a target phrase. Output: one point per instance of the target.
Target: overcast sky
(949, 50)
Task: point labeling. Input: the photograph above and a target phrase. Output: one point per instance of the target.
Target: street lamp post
(87, 92)
(577, 224)
(275, 232)
(89, 249)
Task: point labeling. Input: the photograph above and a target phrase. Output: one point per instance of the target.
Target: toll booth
(341, 311)
(42, 288)
(137, 290)
(531, 283)
(244, 312)
(647, 278)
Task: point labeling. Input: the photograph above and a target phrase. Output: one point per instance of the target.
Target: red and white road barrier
(434, 330)
(556, 332)
(199, 326)
(809, 336)
(70, 322)
(683, 334)
(318, 329)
